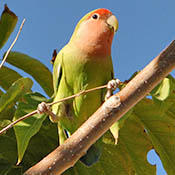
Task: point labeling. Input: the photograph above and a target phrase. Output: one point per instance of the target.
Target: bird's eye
(95, 16)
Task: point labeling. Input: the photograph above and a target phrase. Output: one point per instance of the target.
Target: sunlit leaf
(41, 144)
(7, 25)
(4, 123)
(33, 67)
(162, 91)
(25, 129)
(15, 92)
(117, 125)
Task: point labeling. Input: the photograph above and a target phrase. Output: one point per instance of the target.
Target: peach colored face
(95, 34)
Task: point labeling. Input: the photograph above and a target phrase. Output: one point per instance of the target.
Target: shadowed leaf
(8, 112)
(8, 76)
(1, 93)
(8, 154)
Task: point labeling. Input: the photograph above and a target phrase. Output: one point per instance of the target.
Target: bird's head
(94, 32)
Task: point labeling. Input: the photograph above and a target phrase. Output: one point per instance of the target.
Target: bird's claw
(43, 108)
(112, 86)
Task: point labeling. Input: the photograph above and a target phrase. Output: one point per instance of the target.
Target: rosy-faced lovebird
(84, 63)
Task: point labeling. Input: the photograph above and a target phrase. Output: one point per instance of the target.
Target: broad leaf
(1, 93)
(15, 92)
(149, 125)
(9, 169)
(7, 24)
(4, 123)
(8, 153)
(27, 128)
(8, 147)
(41, 144)
(33, 67)
(128, 157)
(117, 125)
(8, 112)
(161, 129)
(8, 76)
(162, 91)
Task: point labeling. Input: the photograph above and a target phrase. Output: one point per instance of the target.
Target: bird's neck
(94, 44)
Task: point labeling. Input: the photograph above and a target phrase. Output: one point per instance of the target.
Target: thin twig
(8, 51)
(50, 104)
(78, 94)
(16, 121)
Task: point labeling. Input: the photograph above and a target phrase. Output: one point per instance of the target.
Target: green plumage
(75, 70)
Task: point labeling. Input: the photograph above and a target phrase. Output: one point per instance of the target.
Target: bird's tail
(93, 154)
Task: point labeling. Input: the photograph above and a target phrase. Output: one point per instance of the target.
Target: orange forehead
(101, 12)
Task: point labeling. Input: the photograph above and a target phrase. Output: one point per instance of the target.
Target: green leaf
(33, 67)
(4, 123)
(8, 169)
(8, 153)
(146, 127)
(27, 128)
(162, 91)
(8, 112)
(129, 156)
(8, 76)
(163, 95)
(7, 25)
(160, 126)
(8, 147)
(15, 92)
(41, 144)
(119, 124)
(1, 93)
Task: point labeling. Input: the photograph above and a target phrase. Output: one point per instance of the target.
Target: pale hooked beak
(113, 22)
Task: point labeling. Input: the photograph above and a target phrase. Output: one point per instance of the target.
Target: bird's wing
(57, 72)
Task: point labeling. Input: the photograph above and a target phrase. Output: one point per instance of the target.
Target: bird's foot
(112, 86)
(45, 108)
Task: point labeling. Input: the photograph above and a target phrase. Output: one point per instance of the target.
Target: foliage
(149, 125)
(7, 24)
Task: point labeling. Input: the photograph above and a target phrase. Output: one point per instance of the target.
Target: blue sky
(145, 28)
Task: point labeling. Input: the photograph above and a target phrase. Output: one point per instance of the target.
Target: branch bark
(66, 155)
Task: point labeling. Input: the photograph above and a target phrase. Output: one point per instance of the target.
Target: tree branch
(66, 155)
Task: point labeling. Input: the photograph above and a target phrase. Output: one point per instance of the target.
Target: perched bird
(84, 63)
